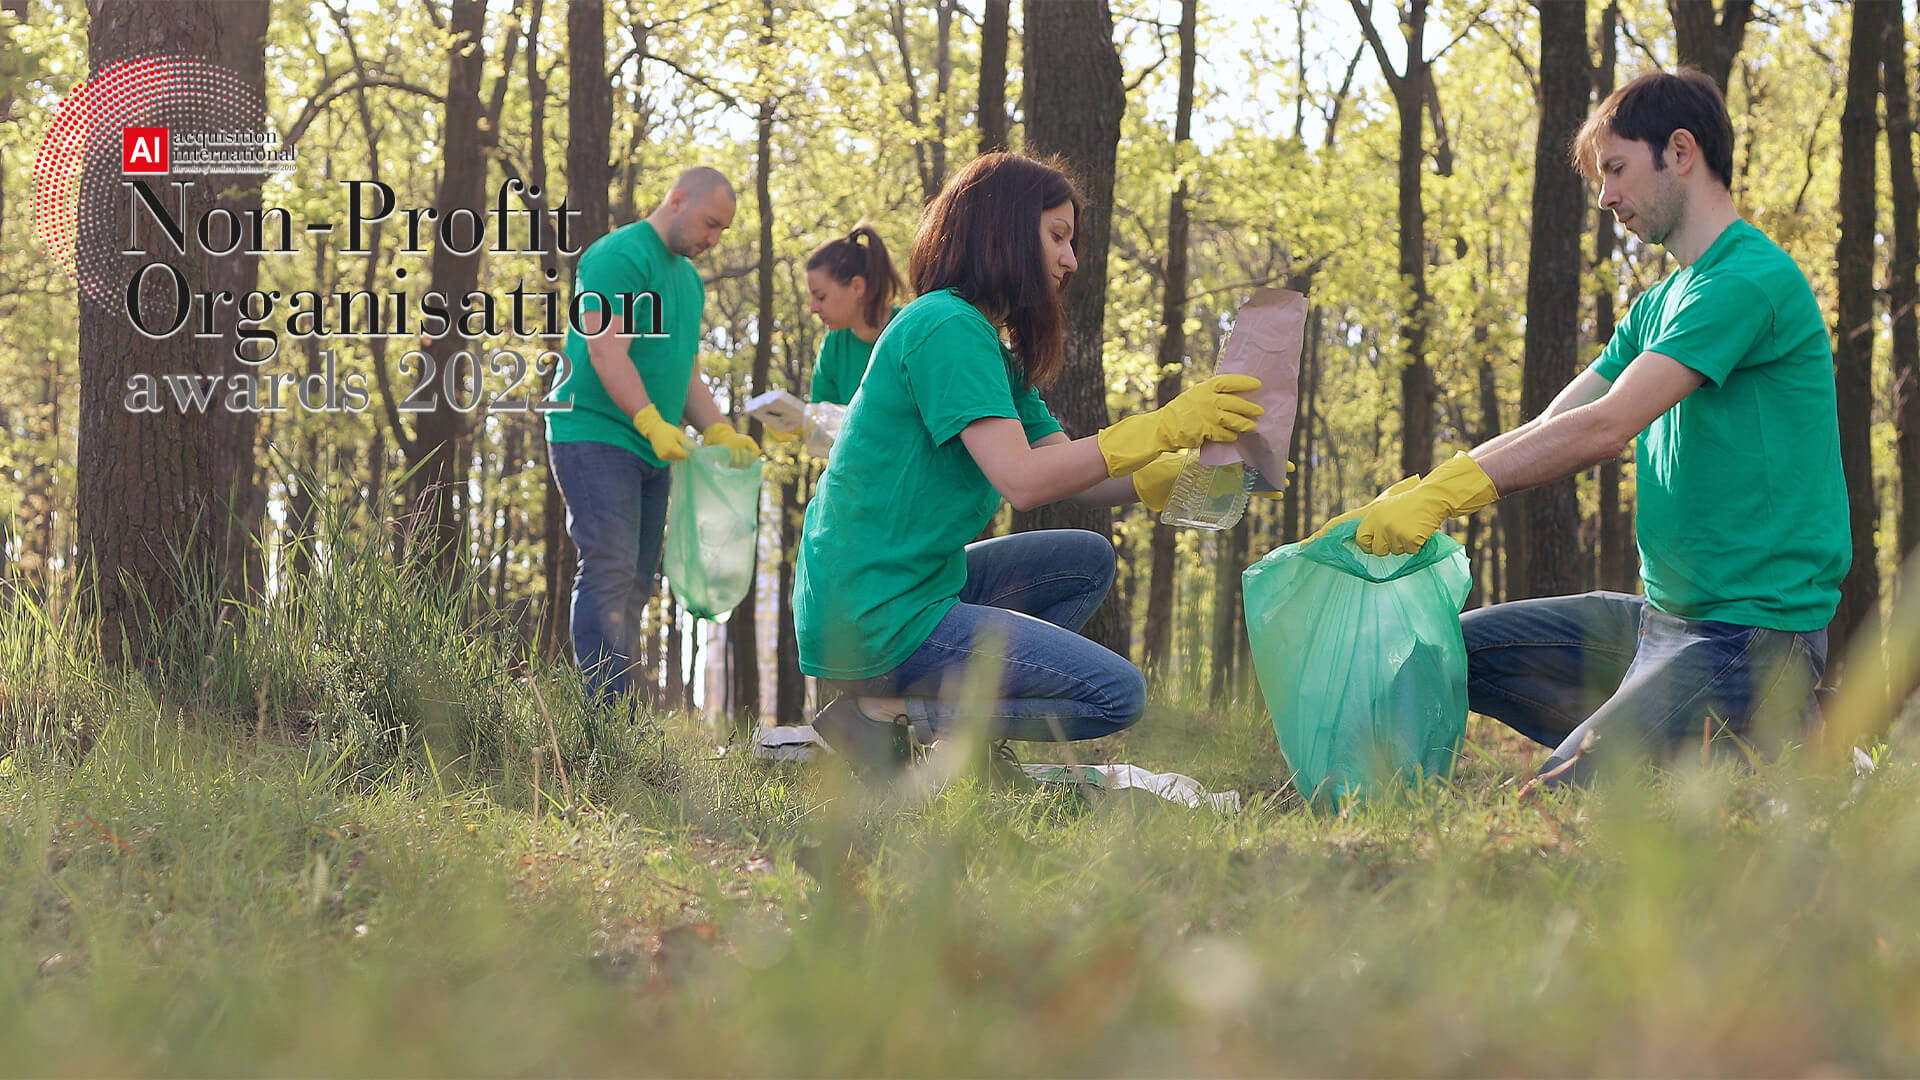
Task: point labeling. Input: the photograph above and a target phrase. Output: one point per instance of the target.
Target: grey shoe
(874, 749)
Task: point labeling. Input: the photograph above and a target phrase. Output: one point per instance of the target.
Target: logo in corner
(143, 150)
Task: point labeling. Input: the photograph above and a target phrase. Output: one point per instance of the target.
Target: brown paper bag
(1265, 343)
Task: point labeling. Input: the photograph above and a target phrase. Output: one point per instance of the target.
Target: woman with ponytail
(852, 284)
(892, 605)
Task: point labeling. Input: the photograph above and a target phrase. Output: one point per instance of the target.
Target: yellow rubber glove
(741, 449)
(1398, 486)
(1210, 412)
(1154, 481)
(1400, 524)
(669, 442)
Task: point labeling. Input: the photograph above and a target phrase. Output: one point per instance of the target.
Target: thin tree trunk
(439, 467)
(1412, 93)
(1077, 100)
(1902, 293)
(1619, 564)
(1173, 342)
(1853, 356)
(1552, 511)
(589, 175)
(994, 22)
(742, 629)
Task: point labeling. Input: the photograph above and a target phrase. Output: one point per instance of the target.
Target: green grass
(320, 844)
(183, 900)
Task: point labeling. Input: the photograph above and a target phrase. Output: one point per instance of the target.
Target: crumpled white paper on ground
(1172, 787)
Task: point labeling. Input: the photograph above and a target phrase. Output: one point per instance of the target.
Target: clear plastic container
(1208, 496)
(823, 426)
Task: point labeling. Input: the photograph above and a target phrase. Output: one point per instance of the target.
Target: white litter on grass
(800, 743)
(1172, 787)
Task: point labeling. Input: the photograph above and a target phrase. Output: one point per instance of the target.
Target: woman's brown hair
(861, 253)
(980, 237)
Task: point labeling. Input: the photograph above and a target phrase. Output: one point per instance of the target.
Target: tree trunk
(994, 22)
(1412, 92)
(242, 50)
(1619, 565)
(589, 175)
(1853, 356)
(1077, 101)
(1705, 43)
(1902, 292)
(1552, 512)
(742, 629)
(1230, 560)
(440, 471)
(1173, 342)
(176, 480)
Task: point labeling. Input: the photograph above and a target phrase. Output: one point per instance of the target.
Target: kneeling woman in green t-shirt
(891, 603)
(851, 284)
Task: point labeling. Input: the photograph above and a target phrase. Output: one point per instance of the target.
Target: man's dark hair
(980, 237)
(1650, 109)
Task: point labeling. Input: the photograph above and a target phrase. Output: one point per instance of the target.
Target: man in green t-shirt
(633, 379)
(1723, 372)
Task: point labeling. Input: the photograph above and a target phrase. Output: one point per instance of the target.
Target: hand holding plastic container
(1212, 489)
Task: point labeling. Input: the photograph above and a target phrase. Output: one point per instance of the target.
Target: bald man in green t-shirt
(1722, 376)
(627, 397)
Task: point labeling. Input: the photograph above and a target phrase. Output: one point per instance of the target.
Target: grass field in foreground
(187, 897)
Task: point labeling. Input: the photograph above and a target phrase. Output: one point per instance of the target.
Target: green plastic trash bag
(1361, 661)
(713, 519)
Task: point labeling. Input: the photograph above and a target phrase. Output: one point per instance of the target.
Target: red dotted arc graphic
(76, 172)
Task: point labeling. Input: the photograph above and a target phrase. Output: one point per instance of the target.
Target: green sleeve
(1624, 345)
(825, 386)
(1034, 414)
(955, 376)
(1714, 324)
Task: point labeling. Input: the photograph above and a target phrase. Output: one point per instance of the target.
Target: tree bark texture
(1076, 103)
(163, 498)
(743, 629)
(1552, 511)
(1173, 344)
(1853, 272)
(434, 452)
(995, 19)
(1619, 565)
(1412, 94)
(1902, 293)
(589, 176)
(1707, 42)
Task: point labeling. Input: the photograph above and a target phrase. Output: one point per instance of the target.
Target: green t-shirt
(1742, 514)
(842, 363)
(624, 265)
(883, 554)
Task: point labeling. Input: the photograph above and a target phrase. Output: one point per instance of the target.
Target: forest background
(1404, 165)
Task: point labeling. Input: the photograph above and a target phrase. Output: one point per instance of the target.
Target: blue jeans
(1026, 597)
(1640, 681)
(617, 517)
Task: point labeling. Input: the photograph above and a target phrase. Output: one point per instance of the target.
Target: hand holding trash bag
(1398, 486)
(1401, 523)
(741, 449)
(668, 441)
